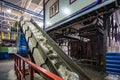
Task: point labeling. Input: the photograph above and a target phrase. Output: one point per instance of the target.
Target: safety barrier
(19, 67)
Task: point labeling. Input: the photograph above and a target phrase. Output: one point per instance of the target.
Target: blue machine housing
(113, 63)
(4, 55)
(22, 45)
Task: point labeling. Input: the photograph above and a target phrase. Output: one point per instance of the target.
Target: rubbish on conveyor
(66, 74)
(112, 77)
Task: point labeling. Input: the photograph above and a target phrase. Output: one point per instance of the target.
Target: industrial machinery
(46, 53)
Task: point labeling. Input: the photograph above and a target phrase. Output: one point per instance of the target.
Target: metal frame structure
(22, 9)
(44, 59)
(102, 11)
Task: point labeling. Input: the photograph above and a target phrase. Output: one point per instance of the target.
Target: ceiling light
(67, 11)
(8, 29)
(48, 23)
(9, 10)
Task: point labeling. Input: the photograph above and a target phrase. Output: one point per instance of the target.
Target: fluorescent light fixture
(8, 29)
(48, 23)
(9, 10)
(67, 11)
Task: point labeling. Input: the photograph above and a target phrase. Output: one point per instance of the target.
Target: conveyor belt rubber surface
(48, 55)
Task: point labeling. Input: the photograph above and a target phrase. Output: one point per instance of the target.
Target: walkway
(6, 70)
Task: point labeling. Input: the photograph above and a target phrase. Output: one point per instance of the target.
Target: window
(54, 9)
(71, 1)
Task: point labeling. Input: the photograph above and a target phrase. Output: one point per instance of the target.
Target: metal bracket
(30, 37)
(26, 30)
(34, 47)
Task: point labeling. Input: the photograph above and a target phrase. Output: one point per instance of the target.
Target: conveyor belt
(48, 55)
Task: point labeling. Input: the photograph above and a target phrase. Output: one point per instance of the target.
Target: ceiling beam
(23, 3)
(6, 25)
(38, 5)
(19, 2)
(22, 9)
(27, 4)
(9, 18)
(72, 37)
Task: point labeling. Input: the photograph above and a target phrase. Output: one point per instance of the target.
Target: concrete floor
(6, 70)
(92, 72)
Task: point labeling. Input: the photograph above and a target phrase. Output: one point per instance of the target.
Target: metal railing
(19, 67)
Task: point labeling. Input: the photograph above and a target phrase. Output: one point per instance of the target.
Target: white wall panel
(64, 5)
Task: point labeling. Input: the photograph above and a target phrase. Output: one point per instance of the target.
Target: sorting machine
(46, 53)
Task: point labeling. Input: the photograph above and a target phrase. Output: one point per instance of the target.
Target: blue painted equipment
(22, 45)
(113, 63)
(4, 55)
